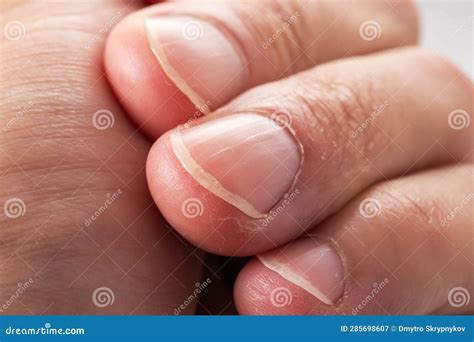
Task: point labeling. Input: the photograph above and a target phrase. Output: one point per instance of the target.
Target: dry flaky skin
(64, 170)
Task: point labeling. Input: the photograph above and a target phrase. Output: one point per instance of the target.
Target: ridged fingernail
(247, 160)
(203, 62)
(311, 265)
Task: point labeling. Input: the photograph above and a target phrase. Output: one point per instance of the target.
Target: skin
(62, 168)
(150, 268)
(131, 64)
(384, 250)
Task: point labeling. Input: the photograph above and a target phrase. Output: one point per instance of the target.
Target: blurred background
(447, 27)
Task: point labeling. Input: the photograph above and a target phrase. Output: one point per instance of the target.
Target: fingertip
(197, 214)
(260, 291)
(153, 102)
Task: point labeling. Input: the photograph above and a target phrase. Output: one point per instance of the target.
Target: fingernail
(311, 265)
(247, 160)
(203, 62)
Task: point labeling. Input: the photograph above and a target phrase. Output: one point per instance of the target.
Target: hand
(79, 232)
(341, 173)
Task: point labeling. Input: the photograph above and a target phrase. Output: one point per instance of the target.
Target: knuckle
(284, 30)
(323, 108)
(331, 110)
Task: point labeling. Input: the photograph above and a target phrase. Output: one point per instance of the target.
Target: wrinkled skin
(64, 169)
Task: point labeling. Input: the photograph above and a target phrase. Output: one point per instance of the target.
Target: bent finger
(172, 62)
(402, 247)
(285, 156)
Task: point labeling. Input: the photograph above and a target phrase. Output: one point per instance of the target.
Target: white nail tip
(172, 73)
(294, 278)
(207, 180)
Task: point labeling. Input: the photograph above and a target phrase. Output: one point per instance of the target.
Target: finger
(172, 62)
(260, 184)
(402, 247)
